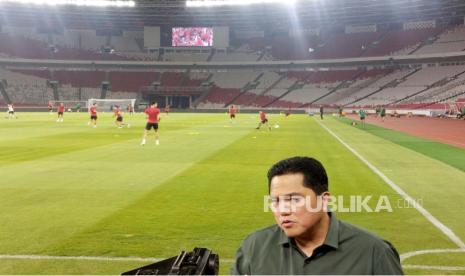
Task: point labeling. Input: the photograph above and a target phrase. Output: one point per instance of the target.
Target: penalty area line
(88, 258)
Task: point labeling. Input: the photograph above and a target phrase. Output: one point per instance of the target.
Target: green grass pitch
(67, 189)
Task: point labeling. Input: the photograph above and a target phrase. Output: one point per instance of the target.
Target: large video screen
(197, 37)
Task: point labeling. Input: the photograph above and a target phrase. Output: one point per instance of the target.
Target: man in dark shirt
(461, 115)
(383, 113)
(307, 239)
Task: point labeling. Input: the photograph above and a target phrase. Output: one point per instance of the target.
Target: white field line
(90, 258)
(87, 258)
(444, 229)
(435, 267)
(373, 168)
(407, 255)
(148, 260)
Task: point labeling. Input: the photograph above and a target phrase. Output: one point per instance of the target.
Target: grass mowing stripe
(218, 201)
(448, 154)
(109, 201)
(443, 228)
(38, 141)
(70, 191)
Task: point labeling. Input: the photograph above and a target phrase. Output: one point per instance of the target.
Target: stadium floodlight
(88, 3)
(216, 3)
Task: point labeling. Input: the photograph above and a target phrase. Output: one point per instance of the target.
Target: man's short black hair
(314, 173)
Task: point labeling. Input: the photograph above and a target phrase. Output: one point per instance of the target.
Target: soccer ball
(276, 126)
(69, 109)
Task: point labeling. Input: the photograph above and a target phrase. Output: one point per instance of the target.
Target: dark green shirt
(383, 112)
(346, 250)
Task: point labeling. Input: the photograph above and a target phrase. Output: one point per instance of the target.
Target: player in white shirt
(11, 112)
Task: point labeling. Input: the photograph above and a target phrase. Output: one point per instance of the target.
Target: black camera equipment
(200, 261)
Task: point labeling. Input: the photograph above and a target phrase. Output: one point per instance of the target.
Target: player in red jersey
(153, 117)
(263, 120)
(61, 111)
(232, 114)
(50, 107)
(119, 117)
(167, 109)
(288, 113)
(93, 115)
(130, 110)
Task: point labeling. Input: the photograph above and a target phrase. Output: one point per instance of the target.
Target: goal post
(109, 104)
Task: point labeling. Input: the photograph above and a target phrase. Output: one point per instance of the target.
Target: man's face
(296, 208)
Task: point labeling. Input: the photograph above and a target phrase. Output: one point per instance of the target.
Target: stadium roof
(306, 13)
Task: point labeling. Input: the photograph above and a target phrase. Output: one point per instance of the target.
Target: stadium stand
(306, 94)
(372, 88)
(267, 81)
(86, 44)
(256, 89)
(171, 78)
(346, 45)
(131, 81)
(452, 40)
(127, 42)
(185, 57)
(274, 94)
(362, 81)
(395, 41)
(354, 87)
(420, 80)
(25, 46)
(202, 76)
(82, 39)
(235, 79)
(220, 96)
(90, 93)
(24, 89)
(69, 93)
(121, 95)
(432, 95)
(351, 45)
(243, 53)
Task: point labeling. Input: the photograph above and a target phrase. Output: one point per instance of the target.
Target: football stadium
(185, 137)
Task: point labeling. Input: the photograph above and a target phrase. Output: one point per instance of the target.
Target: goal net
(109, 104)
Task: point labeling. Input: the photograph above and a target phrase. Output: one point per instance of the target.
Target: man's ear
(325, 197)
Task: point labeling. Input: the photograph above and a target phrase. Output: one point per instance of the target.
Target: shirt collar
(332, 237)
